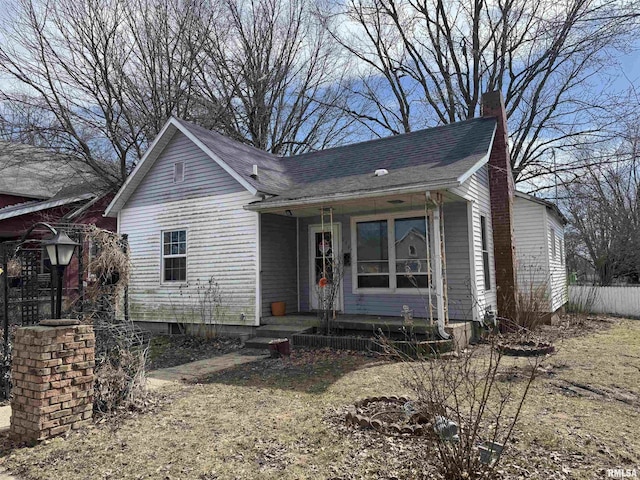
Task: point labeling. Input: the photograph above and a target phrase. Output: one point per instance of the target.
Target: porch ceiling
(389, 203)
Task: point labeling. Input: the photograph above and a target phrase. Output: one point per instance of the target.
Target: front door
(325, 256)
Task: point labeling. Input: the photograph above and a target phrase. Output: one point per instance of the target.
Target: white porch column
(437, 267)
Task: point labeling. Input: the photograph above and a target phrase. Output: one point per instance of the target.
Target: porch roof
(436, 158)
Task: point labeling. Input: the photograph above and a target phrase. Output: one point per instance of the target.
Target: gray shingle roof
(37, 172)
(435, 156)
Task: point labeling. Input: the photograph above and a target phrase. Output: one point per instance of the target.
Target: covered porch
(392, 253)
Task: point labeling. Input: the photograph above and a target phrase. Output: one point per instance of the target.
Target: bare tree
(427, 62)
(167, 39)
(603, 203)
(271, 77)
(68, 57)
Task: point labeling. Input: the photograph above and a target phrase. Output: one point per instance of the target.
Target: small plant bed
(171, 350)
(361, 342)
(390, 415)
(525, 348)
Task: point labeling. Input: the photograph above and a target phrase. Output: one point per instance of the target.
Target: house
(38, 185)
(540, 253)
(423, 220)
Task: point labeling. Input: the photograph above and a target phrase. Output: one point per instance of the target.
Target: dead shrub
(120, 382)
(121, 356)
(472, 412)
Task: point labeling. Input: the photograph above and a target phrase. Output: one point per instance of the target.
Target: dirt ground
(171, 350)
(283, 419)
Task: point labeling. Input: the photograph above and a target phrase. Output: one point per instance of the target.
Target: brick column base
(52, 373)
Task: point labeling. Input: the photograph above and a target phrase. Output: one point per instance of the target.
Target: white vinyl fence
(624, 301)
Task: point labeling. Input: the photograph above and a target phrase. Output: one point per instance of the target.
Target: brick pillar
(502, 189)
(52, 373)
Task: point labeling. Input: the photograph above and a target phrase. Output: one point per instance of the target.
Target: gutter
(39, 206)
(341, 197)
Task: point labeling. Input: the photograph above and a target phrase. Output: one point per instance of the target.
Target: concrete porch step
(280, 331)
(291, 320)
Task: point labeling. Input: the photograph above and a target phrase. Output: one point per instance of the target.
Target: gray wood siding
(476, 190)
(389, 304)
(202, 176)
(279, 280)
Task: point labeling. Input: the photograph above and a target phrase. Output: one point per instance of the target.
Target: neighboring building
(201, 206)
(38, 185)
(540, 251)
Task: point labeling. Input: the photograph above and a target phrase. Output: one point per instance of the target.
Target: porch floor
(461, 330)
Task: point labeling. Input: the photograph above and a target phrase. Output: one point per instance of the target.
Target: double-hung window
(391, 253)
(174, 256)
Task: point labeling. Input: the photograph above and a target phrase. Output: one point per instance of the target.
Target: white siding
(536, 230)
(202, 176)
(221, 238)
(221, 243)
(476, 191)
(531, 248)
(557, 265)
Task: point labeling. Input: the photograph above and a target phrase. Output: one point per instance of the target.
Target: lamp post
(60, 249)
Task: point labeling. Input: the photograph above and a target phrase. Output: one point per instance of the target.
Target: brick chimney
(502, 189)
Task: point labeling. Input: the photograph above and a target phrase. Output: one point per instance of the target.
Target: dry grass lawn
(278, 420)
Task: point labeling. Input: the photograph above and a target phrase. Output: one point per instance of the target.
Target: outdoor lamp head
(60, 249)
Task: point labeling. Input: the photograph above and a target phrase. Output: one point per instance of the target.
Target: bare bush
(202, 304)
(471, 411)
(121, 356)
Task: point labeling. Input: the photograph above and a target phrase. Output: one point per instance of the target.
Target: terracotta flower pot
(278, 309)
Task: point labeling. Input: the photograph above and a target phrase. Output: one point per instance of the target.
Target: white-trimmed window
(178, 172)
(174, 256)
(391, 253)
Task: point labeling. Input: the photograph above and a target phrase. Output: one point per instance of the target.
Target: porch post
(437, 268)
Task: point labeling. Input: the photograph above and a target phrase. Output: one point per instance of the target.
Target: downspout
(298, 261)
(442, 333)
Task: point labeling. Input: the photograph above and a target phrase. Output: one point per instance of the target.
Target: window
(485, 253)
(410, 237)
(391, 253)
(174, 256)
(373, 254)
(178, 172)
(553, 245)
(561, 252)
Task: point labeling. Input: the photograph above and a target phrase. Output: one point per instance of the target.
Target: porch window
(373, 254)
(174, 256)
(391, 253)
(411, 252)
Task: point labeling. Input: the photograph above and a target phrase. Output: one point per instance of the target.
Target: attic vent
(254, 171)
(178, 172)
(380, 172)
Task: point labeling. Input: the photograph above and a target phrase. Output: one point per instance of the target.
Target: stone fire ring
(352, 417)
(526, 349)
